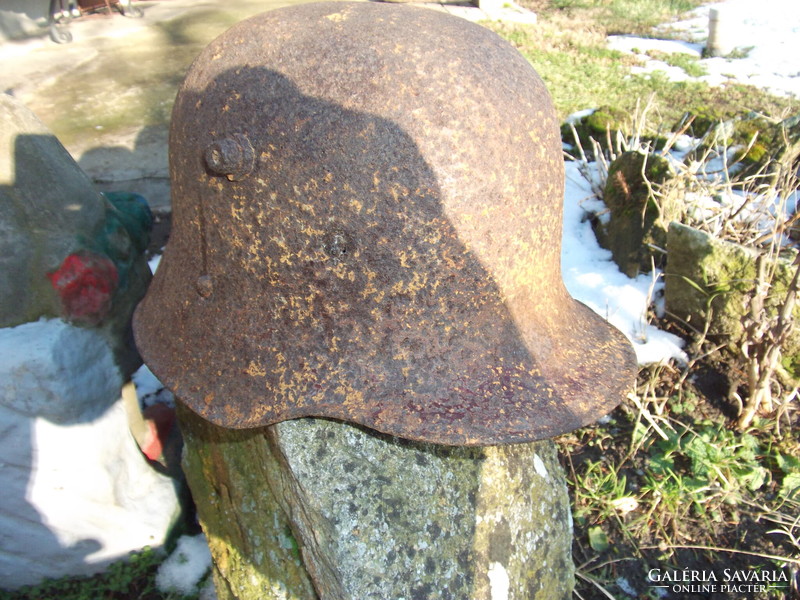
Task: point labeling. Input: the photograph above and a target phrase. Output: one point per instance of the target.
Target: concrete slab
(108, 94)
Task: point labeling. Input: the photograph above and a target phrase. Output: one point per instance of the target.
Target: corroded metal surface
(367, 222)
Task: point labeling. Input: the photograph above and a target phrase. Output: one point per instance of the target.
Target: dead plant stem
(775, 557)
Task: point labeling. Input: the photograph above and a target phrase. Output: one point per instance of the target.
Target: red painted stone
(85, 282)
(160, 420)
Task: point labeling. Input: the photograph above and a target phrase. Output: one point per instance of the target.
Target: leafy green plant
(598, 539)
(718, 458)
(129, 579)
(600, 488)
(790, 485)
(669, 498)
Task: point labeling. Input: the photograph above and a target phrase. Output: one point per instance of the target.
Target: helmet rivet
(232, 157)
(337, 244)
(204, 286)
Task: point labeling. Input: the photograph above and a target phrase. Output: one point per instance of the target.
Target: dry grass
(678, 479)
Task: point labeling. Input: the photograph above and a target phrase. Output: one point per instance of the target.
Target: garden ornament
(367, 223)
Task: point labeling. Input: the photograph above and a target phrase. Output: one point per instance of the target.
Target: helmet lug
(204, 286)
(232, 157)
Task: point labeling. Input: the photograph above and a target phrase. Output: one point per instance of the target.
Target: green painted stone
(315, 508)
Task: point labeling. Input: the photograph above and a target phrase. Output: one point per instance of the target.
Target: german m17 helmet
(366, 226)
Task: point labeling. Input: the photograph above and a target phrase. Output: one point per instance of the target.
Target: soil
(743, 530)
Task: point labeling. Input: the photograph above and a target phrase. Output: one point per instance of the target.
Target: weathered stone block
(704, 271)
(336, 511)
(636, 220)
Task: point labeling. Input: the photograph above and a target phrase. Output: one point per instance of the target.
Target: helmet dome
(367, 206)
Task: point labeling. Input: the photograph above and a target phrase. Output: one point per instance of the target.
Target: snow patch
(637, 45)
(626, 587)
(149, 390)
(186, 566)
(154, 262)
(594, 279)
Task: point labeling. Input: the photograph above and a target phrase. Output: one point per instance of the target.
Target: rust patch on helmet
(390, 254)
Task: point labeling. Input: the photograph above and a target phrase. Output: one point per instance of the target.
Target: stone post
(316, 508)
(721, 34)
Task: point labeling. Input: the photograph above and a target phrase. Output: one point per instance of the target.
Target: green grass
(580, 72)
(130, 579)
(660, 480)
(618, 16)
(690, 64)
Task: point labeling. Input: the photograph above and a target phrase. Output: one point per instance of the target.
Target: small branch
(595, 583)
(763, 345)
(795, 561)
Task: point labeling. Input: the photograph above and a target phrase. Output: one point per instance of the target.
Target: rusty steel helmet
(366, 227)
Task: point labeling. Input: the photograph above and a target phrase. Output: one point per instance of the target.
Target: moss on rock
(636, 222)
(318, 508)
(705, 272)
(596, 125)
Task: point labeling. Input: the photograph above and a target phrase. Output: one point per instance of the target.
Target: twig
(595, 583)
(584, 565)
(649, 417)
(764, 340)
(795, 561)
